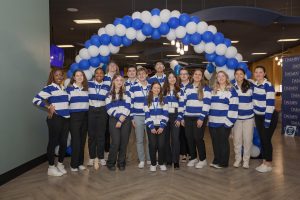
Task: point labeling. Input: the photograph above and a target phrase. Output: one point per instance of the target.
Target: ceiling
(252, 37)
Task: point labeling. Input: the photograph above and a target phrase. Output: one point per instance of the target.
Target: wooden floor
(187, 183)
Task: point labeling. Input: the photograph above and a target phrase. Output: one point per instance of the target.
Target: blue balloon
(173, 22)
(184, 19)
(104, 67)
(210, 68)
(232, 63)
(164, 29)
(218, 38)
(195, 38)
(126, 42)
(147, 29)
(155, 11)
(95, 40)
(117, 21)
(177, 69)
(243, 66)
(87, 44)
(207, 36)
(227, 42)
(126, 21)
(105, 39)
(195, 19)
(210, 57)
(220, 60)
(116, 40)
(186, 39)
(137, 24)
(95, 61)
(84, 64)
(104, 59)
(155, 34)
(69, 74)
(74, 67)
(248, 73)
(256, 139)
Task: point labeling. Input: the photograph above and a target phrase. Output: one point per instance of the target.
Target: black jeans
(172, 142)
(194, 137)
(107, 136)
(221, 147)
(156, 143)
(78, 129)
(119, 141)
(184, 149)
(97, 119)
(58, 128)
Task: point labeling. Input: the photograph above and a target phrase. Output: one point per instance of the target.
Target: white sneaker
(152, 168)
(162, 167)
(263, 168)
(148, 162)
(53, 171)
(192, 163)
(61, 168)
(237, 164)
(82, 167)
(141, 165)
(102, 162)
(215, 166)
(246, 165)
(201, 164)
(74, 169)
(106, 155)
(91, 162)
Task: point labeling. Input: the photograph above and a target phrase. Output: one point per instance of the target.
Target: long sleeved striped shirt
(78, 99)
(224, 108)
(138, 94)
(191, 106)
(155, 78)
(56, 96)
(264, 100)
(156, 114)
(98, 93)
(118, 107)
(172, 101)
(129, 84)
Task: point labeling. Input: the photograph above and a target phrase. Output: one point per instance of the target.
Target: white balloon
(207, 75)
(104, 50)
(146, 16)
(110, 29)
(230, 73)
(88, 74)
(171, 35)
(239, 57)
(84, 54)
(210, 47)
(191, 27)
(120, 30)
(139, 66)
(140, 36)
(93, 51)
(202, 27)
(131, 33)
(221, 49)
(113, 49)
(231, 52)
(77, 59)
(255, 151)
(101, 31)
(165, 15)
(155, 21)
(67, 82)
(175, 13)
(180, 32)
(212, 29)
(173, 63)
(92, 69)
(136, 15)
(199, 48)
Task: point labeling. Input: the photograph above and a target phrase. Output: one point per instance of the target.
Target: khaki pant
(242, 136)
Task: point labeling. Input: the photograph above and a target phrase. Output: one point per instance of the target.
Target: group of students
(172, 111)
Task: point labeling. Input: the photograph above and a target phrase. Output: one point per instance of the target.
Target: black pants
(78, 129)
(58, 128)
(194, 137)
(172, 142)
(221, 147)
(107, 136)
(184, 149)
(156, 143)
(119, 141)
(265, 135)
(97, 119)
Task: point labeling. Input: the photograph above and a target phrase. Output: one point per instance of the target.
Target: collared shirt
(78, 99)
(158, 79)
(138, 95)
(157, 114)
(98, 93)
(129, 84)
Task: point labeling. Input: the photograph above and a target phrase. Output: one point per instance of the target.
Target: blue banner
(291, 96)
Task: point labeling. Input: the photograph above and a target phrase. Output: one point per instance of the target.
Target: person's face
(142, 76)
(58, 77)
(259, 74)
(239, 76)
(156, 89)
(78, 77)
(159, 67)
(221, 77)
(184, 75)
(99, 75)
(172, 79)
(197, 76)
(112, 67)
(131, 73)
(119, 82)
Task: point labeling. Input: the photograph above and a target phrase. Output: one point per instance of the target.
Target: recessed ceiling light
(133, 56)
(87, 21)
(172, 55)
(288, 40)
(65, 45)
(259, 53)
(205, 62)
(72, 9)
(141, 63)
(165, 43)
(72, 28)
(235, 41)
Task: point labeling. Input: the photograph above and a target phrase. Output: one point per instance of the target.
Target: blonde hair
(216, 84)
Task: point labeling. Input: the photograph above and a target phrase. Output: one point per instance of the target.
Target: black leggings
(156, 143)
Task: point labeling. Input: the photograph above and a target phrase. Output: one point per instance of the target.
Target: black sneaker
(111, 168)
(176, 166)
(121, 168)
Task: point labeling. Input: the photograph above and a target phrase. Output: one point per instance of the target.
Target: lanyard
(160, 80)
(143, 91)
(155, 106)
(98, 88)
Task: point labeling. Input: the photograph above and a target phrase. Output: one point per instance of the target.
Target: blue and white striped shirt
(264, 100)
(78, 99)
(118, 107)
(191, 106)
(155, 78)
(138, 94)
(156, 114)
(56, 96)
(183, 87)
(98, 93)
(172, 101)
(224, 108)
(107, 79)
(129, 84)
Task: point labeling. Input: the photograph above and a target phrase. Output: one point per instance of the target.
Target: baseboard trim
(11, 174)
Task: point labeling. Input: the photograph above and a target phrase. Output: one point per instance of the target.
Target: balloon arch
(173, 25)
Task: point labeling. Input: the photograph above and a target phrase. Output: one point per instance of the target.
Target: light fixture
(280, 88)
(234, 41)
(177, 44)
(245, 61)
(72, 9)
(132, 56)
(259, 53)
(172, 55)
(185, 47)
(178, 50)
(276, 58)
(141, 63)
(288, 40)
(205, 62)
(173, 42)
(65, 46)
(87, 21)
(166, 43)
(181, 51)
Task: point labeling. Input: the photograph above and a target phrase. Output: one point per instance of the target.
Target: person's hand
(153, 131)
(177, 123)
(133, 123)
(51, 111)
(118, 125)
(160, 130)
(199, 123)
(122, 118)
(182, 123)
